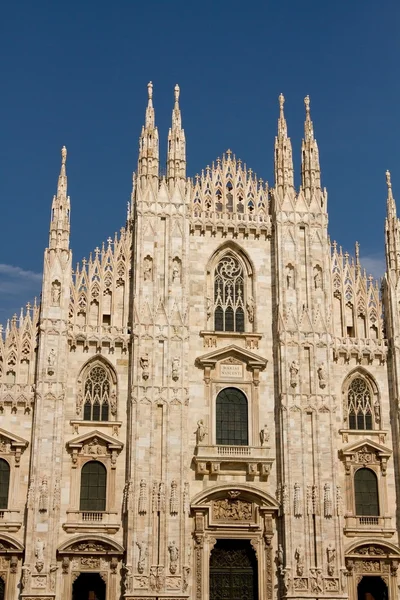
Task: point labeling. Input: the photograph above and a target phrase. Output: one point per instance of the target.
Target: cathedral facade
(207, 408)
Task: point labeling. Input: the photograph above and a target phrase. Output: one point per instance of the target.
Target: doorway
(89, 586)
(372, 588)
(2, 589)
(233, 571)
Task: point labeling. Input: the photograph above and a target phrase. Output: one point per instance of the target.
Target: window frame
(216, 433)
(86, 464)
(7, 498)
(376, 480)
(374, 401)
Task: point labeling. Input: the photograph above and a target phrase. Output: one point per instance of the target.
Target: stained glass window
(229, 295)
(96, 394)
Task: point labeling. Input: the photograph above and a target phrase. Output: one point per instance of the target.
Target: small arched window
(93, 486)
(359, 398)
(96, 394)
(4, 483)
(232, 418)
(366, 493)
(229, 295)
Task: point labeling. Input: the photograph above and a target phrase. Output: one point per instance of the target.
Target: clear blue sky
(75, 73)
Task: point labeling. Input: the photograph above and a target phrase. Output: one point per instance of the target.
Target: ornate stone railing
(10, 520)
(368, 525)
(82, 520)
(214, 459)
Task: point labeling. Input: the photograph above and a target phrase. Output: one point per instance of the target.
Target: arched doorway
(2, 589)
(372, 588)
(233, 571)
(89, 586)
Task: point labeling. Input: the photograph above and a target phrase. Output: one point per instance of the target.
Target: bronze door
(233, 571)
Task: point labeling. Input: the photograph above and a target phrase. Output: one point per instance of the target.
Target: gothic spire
(60, 210)
(310, 169)
(392, 230)
(283, 153)
(148, 141)
(176, 159)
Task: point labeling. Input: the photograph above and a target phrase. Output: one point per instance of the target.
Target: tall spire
(148, 141)
(310, 169)
(392, 242)
(60, 210)
(283, 153)
(176, 158)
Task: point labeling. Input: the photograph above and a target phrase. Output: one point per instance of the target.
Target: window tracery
(360, 404)
(229, 295)
(97, 390)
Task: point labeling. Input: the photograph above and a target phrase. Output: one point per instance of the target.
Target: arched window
(229, 295)
(359, 398)
(366, 493)
(93, 486)
(96, 394)
(232, 418)
(4, 483)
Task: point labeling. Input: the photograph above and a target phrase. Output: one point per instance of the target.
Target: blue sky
(76, 73)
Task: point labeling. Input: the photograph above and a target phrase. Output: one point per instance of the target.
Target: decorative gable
(12, 444)
(94, 445)
(232, 360)
(364, 453)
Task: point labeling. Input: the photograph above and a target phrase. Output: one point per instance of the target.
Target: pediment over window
(366, 452)
(94, 444)
(231, 355)
(12, 444)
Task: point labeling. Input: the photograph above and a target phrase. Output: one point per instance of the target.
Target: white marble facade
(121, 366)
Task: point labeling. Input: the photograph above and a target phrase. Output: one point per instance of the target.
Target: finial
(307, 104)
(177, 91)
(281, 101)
(150, 90)
(63, 155)
(388, 180)
(357, 249)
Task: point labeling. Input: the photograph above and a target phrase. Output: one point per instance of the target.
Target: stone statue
(55, 293)
(39, 549)
(377, 411)
(322, 375)
(175, 368)
(201, 431)
(26, 573)
(289, 277)
(299, 556)
(279, 556)
(173, 558)
(148, 268)
(176, 270)
(144, 363)
(330, 555)
(294, 373)
(51, 359)
(317, 278)
(264, 435)
(250, 309)
(319, 581)
(142, 556)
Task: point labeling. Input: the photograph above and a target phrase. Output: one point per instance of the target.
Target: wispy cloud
(374, 264)
(17, 287)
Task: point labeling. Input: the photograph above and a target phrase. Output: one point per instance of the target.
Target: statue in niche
(55, 293)
(208, 307)
(142, 556)
(264, 435)
(148, 268)
(176, 270)
(294, 373)
(322, 375)
(173, 558)
(377, 411)
(279, 556)
(330, 555)
(51, 359)
(39, 553)
(175, 368)
(299, 556)
(26, 573)
(201, 431)
(317, 278)
(144, 363)
(250, 309)
(290, 277)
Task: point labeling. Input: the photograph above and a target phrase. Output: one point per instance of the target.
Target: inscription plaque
(232, 371)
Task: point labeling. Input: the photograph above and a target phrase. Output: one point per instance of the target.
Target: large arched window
(93, 486)
(96, 394)
(4, 483)
(366, 493)
(360, 404)
(232, 418)
(229, 301)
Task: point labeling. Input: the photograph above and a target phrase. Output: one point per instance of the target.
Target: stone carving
(201, 431)
(290, 277)
(55, 293)
(157, 578)
(186, 504)
(65, 565)
(300, 584)
(141, 582)
(145, 364)
(377, 412)
(315, 500)
(279, 556)
(294, 373)
(343, 580)
(94, 447)
(25, 577)
(39, 581)
(232, 510)
(113, 403)
(53, 576)
(90, 562)
(142, 506)
(128, 579)
(176, 270)
(173, 557)
(286, 580)
(317, 581)
(114, 565)
(322, 375)
(44, 495)
(297, 507)
(264, 435)
(250, 309)
(13, 563)
(31, 493)
(299, 557)
(175, 368)
(173, 501)
(285, 499)
(330, 557)
(90, 547)
(339, 501)
(148, 268)
(51, 359)
(370, 551)
(328, 504)
(173, 583)
(317, 277)
(143, 552)
(39, 554)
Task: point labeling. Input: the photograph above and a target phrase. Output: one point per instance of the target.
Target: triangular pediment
(85, 438)
(14, 440)
(232, 351)
(366, 445)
